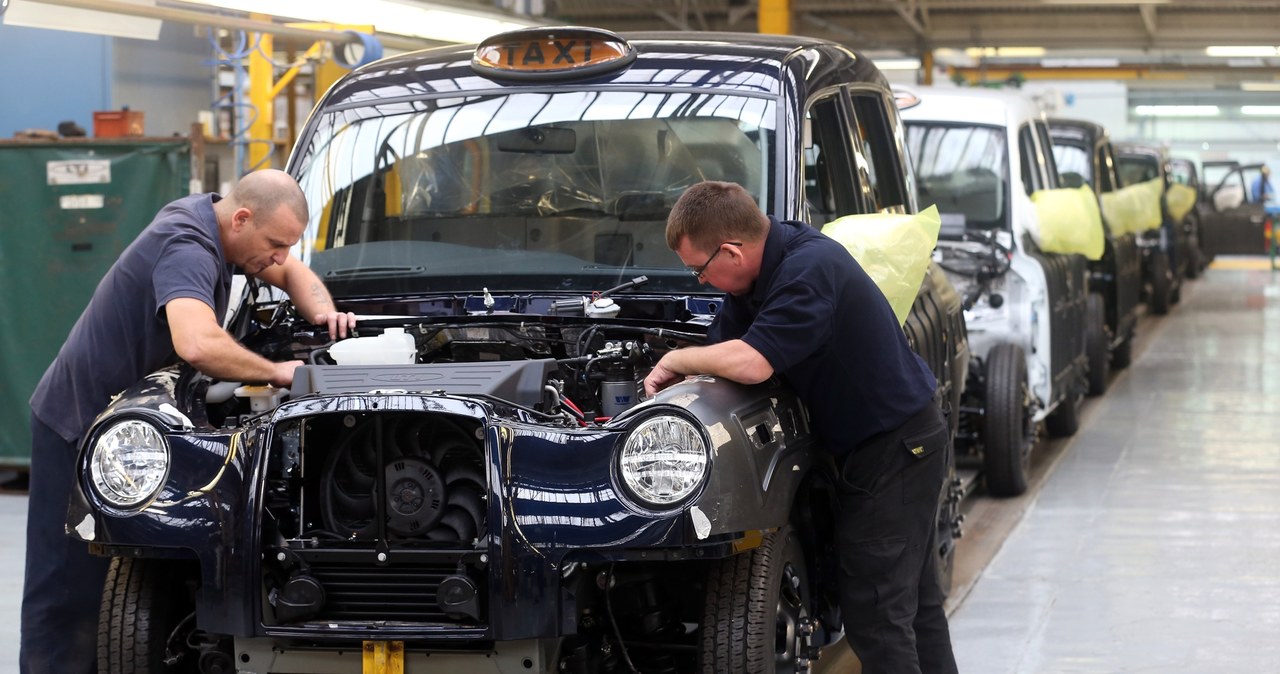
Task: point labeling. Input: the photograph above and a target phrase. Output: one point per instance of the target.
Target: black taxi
(1086, 156)
(474, 483)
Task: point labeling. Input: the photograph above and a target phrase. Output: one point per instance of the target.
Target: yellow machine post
(261, 71)
(774, 17)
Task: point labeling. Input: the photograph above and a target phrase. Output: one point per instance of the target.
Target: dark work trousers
(63, 587)
(885, 538)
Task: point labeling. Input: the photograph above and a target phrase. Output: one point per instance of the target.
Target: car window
(963, 169)
(1032, 169)
(1075, 165)
(1134, 169)
(1183, 173)
(879, 174)
(828, 175)
(1045, 140)
(1108, 181)
(549, 190)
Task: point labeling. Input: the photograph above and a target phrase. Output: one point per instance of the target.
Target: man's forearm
(735, 360)
(222, 357)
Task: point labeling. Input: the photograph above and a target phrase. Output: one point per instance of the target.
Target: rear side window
(828, 174)
(1032, 177)
(880, 175)
(1106, 161)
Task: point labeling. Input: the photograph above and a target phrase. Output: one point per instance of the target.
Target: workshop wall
(52, 76)
(67, 76)
(169, 79)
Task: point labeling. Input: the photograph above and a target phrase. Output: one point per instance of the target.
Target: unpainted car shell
(1044, 292)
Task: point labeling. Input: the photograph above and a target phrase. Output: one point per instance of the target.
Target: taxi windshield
(964, 170)
(520, 192)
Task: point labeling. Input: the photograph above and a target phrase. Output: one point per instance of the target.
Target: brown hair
(264, 191)
(712, 212)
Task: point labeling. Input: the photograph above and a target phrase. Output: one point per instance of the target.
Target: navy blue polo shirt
(122, 335)
(826, 328)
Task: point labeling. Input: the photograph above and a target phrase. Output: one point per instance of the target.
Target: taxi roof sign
(552, 53)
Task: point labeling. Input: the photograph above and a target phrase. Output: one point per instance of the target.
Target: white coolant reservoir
(393, 347)
(262, 398)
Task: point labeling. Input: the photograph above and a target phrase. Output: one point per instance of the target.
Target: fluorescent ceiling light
(1260, 110)
(433, 22)
(1006, 52)
(1235, 51)
(1260, 86)
(897, 64)
(1176, 110)
(52, 17)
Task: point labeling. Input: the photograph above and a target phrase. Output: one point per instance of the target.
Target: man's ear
(240, 218)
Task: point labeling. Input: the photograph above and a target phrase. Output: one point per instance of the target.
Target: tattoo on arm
(320, 296)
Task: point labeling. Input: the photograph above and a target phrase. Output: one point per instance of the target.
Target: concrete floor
(1151, 547)
(1150, 544)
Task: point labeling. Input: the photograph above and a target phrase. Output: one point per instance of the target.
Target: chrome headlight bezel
(640, 460)
(127, 464)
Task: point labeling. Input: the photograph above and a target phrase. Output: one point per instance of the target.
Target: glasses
(699, 271)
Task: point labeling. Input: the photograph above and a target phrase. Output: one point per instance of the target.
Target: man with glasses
(799, 306)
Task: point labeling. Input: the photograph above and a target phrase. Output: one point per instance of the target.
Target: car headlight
(664, 460)
(128, 463)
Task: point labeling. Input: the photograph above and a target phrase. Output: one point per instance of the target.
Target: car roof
(748, 63)
(972, 106)
(1077, 130)
(1138, 149)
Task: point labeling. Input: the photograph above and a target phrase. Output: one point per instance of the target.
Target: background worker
(1261, 192)
(164, 299)
(800, 306)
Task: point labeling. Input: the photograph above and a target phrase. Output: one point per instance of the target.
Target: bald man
(164, 300)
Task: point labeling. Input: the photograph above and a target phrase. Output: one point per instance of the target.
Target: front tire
(757, 613)
(1096, 344)
(1161, 283)
(147, 611)
(1006, 452)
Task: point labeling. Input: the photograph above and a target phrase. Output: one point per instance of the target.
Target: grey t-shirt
(123, 335)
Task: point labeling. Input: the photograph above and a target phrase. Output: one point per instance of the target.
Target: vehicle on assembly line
(979, 155)
(1183, 172)
(474, 482)
(1165, 250)
(1231, 222)
(1084, 156)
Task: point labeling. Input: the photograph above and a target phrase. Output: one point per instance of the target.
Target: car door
(1232, 225)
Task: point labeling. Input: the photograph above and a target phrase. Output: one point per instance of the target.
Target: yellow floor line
(1246, 262)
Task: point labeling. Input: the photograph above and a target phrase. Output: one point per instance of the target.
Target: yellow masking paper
(1069, 221)
(894, 249)
(1133, 209)
(1179, 199)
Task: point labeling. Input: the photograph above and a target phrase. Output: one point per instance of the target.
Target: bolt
(280, 556)
(382, 556)
(484, 559)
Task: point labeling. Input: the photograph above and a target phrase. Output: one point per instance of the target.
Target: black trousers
(63, 587)
(885, 538)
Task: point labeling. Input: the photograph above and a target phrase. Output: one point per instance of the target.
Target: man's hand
(339, 323)
(282, 373)
(660, 377)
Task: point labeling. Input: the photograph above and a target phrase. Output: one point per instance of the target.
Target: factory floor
(1148, 542)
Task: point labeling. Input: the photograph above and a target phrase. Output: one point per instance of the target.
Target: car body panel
(1084, 148)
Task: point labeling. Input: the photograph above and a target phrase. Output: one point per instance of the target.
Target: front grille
(406, 592)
